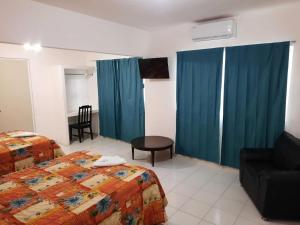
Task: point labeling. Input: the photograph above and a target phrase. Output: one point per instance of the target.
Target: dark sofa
(271, 177)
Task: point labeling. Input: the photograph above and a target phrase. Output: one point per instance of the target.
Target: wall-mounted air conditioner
(213, 30)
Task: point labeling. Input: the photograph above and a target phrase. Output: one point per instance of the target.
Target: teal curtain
(131, 94)
(254, 98)
(108, 97)
(121, 99)
(199, 76)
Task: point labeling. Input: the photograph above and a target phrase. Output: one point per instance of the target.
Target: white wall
(47, 84)
(27, 21)
(24, 21)
(81, 90)
(260, 26)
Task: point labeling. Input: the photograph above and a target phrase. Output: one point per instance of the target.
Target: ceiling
(151, 14)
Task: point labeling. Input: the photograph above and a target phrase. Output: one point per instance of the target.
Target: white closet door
(15, 100)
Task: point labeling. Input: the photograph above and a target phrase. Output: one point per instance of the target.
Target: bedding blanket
(17, 153)
(68, 190)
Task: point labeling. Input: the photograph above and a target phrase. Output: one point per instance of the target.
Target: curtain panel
(121, 99)
(254, 98)
(131, 103)
(108, 97)
(199, 76)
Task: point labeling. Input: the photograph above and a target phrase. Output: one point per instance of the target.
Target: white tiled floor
(198, 192)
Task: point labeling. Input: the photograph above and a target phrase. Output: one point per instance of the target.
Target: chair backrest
(85, 114)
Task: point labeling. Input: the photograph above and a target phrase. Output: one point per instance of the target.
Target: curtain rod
(291, 41)
(228, 46)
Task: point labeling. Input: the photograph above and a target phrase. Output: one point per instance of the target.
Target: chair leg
(91, 133)
(79, 134)
(82, 134)
(70, 134)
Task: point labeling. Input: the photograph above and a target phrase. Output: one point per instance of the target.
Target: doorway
(15, 98)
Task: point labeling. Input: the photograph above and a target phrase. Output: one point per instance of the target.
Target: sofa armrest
(256, 154)
(279, 194)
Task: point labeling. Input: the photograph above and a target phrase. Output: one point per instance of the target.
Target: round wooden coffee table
(152, 144)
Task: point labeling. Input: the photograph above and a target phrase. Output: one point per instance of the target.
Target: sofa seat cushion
(256, 167)
(286, 154)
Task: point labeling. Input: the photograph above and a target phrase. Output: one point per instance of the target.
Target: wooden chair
(84, 121)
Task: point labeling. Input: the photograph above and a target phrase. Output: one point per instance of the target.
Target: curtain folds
(121, 99)
(108, 97)
(254, 98)
(199, 75)
(131, 95)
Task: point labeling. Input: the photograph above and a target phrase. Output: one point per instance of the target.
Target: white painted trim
(63, 86)
(31, 94)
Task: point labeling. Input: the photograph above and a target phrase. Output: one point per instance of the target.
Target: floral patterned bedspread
(68, 190)
(19, 153)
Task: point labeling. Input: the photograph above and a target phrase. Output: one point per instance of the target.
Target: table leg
(132, 149)
(153, 156)
(171, 151)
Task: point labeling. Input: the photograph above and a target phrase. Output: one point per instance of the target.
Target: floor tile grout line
(189, 198)
(239, 216)
(222, 195)
(215, 204)
(244, 206)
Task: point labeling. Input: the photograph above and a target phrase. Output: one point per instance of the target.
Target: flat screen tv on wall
(154, 68)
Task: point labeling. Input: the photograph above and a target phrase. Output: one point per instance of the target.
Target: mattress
(69, 190)
(17, 152)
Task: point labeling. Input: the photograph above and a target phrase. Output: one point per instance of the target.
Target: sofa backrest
(287, 152)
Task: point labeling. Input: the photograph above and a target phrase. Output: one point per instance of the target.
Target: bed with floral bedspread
(69, 190)
(17, 153)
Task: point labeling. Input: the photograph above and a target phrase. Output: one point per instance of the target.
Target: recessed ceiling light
(33, 47)
(27, 46)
